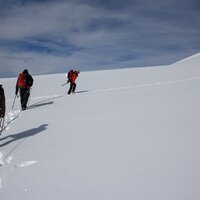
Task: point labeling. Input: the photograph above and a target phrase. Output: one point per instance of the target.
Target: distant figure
(2, 102)
(24, 84)
(72, 78)
(69, 75)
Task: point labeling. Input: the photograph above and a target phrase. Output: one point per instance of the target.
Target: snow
(127, 134)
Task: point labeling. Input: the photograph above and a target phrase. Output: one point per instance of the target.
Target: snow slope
(129, 134)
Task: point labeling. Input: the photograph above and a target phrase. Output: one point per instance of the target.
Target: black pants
(2, 107)
(72, 88)
(24, 95)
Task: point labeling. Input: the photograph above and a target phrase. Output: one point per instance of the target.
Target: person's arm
(17, 88)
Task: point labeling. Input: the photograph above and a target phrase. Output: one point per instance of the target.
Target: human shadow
(46, 101)
(40, 104)
(23, 135)
(82, 91)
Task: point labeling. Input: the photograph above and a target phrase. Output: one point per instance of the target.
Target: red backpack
(21, 83)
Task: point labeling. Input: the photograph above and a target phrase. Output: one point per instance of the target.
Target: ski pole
(1, 124)
(14, 102)
(63, 84)
(29, 100)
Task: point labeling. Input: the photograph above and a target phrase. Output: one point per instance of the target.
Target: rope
(13, 149)
(4, 127)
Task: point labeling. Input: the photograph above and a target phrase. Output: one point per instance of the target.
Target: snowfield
(128, 134)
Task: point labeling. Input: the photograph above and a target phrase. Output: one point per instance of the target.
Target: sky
(47, 36)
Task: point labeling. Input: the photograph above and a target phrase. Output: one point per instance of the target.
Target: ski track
(49, 97)
(145, 85)
(12, 115)
(42, 97)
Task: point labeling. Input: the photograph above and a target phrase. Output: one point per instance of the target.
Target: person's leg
(74, 88)
(2, 106)
(70, 88)
(25, 97)
(22, 92)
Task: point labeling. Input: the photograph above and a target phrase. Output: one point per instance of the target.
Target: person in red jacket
(72, 80)
(69, 75)
(24, 83)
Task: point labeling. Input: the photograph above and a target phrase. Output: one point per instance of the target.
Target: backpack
(69, 75)
(21, 83)
(29, 80)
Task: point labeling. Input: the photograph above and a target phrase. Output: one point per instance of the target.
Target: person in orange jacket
(72, 81)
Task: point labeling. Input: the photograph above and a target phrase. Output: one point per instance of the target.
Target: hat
(25, 71)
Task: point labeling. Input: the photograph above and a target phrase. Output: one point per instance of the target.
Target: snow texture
(127, 134)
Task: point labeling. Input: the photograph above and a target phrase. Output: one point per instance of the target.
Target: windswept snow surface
(130, 134)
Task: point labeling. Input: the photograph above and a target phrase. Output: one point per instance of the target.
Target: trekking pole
(14, 102)
(2, 119)
(63, 84)
(29, 100)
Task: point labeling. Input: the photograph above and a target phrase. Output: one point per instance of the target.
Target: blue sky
(49, 36)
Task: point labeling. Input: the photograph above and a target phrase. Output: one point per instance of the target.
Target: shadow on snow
(23, 135)
(82, 91)
(40, 104)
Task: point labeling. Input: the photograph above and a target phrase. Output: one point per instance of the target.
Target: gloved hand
(1, 113)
